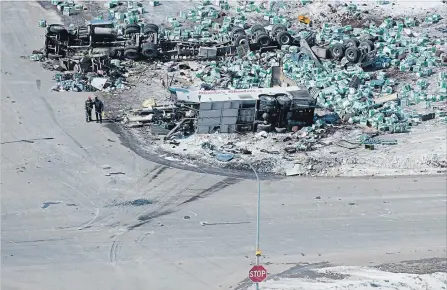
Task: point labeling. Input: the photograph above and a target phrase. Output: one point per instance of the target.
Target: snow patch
(359, 278)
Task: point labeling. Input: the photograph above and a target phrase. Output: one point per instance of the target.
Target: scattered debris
(139, 202)
(28, 140)
(115, 173)
(294, 92)
(224, 157)
(48, 203)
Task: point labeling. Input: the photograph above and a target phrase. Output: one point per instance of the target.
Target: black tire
(237, 31)
(257, 28)
(150, 28)
(366, 36)
(353, 42)
(54, 29)
(352, 54)
(337, 51)
(132, 28)
(132, 53)
(264, 127)
(277, 28)
(54, 56)
(116, 52)
(267, 103)
(149, 50)
(283, 38)
(366, 45)
(263, 40)
(242, 40)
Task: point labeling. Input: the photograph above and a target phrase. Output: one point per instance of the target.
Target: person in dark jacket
(88, 109)
(99, 108)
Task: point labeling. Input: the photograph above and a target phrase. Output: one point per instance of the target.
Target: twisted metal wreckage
(100, 41)
(98, 46)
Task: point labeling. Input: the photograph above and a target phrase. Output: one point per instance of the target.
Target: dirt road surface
(81, 211)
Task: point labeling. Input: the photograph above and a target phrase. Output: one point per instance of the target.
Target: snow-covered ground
(359, 278)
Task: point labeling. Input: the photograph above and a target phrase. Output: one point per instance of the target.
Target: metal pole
(258, 216)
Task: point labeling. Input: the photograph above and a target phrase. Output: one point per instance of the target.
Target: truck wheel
(115, 52)
(264, 127)
(241, 40)
(278, 28)
(132, 28)
(150, 28)
(337, 51)
(366, 45)
(352, 54)
(56, 29)
(263, 40)
(257, 28)
(149, 50)
(54, 56)
(283, 38)
(131, 53)
(237, 31)
(353, 42)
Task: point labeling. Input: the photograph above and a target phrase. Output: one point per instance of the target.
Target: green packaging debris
(36, 57)
(42, 23)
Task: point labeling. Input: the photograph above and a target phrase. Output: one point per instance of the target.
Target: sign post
(257, 274)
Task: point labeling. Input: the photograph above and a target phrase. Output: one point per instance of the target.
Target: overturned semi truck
(91, 46)
(100, 36)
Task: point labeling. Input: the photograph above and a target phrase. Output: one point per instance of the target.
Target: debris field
(304, 87)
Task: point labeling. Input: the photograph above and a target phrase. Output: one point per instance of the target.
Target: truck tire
(366, 45)
(237, 31)
(257, 28)
(263, 40)
(116, 52)
(283, 38)
(132, 53)
(150, 28)
(278, 28)
(241, 40)
(54, 29)
(366, 36)
(132, 28)
(264, 127)
(353, 42)
(149, 50)
(337, 51)
(54, 56)
(352, 54)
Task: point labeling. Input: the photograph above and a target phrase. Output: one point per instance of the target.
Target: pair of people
(99, 108)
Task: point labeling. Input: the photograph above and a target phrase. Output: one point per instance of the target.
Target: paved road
(67, 225)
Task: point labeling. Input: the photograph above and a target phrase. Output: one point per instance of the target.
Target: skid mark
(143, 237)
(89, 224)
(55, 120)
(158, 173)
(146, 218)
(114, 250)
(157, 167)
(212, 189)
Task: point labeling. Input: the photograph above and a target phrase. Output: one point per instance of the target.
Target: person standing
(99, 108)
(88, 109)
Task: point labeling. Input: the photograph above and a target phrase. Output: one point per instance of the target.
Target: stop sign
(257, 274)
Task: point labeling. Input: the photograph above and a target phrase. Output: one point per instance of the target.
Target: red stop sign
(257, 274)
